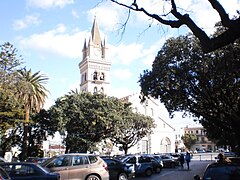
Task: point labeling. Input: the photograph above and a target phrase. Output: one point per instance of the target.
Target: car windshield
(223, 173)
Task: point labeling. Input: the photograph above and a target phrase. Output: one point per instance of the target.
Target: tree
(87, 119)
(175, 19)
(39, 128)
(204, 85)
(32, 94)
(131, 129)
(189, 140)
(10, 109)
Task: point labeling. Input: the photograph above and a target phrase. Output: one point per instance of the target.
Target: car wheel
(158, 170)
(172, 165)
(148, 172)
(122, 176)
(93, 177)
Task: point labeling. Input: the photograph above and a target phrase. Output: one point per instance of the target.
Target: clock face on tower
(97, 52)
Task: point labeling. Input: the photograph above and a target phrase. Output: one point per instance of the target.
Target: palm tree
(32, 94)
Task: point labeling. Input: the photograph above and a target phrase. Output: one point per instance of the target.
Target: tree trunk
(25, 137)
(125, 148)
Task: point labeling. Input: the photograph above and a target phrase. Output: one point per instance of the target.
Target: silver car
(78, 166)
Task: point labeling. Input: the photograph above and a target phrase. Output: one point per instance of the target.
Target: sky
(49, 34)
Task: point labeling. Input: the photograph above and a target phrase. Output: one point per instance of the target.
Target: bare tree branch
(208, 44)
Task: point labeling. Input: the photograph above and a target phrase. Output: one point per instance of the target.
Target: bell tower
(95, 66)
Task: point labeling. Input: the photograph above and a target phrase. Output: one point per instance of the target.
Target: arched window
(95, 90)
(82, 79)
(102, 90)
(95, 75)
(102, 77)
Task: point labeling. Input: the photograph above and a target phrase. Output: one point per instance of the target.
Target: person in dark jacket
(181, 160)
(188, 159)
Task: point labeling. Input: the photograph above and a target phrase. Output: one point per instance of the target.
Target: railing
(204, 156)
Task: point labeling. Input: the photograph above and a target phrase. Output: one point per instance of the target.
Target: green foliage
(87, 118)
(189, 140)
(21, 93)
(9, 64)
(131, 129)
(204, 85)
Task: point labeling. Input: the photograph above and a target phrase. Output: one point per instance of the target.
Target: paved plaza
(196, 167)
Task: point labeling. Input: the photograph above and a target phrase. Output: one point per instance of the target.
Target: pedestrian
(181, 160)
(220, 158)
(188, 159)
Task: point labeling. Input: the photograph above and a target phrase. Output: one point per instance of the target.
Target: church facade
(95, 78)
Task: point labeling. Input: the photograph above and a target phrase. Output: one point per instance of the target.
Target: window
(25, 170)
(95, 90)
(152, 111)
(95, 75)
(62, 161)
(102, 77)
(85, 77)
(132, 160)
(93, 159)
(102, 90)
(77, 160)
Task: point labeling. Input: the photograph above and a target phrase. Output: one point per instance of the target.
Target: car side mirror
(197, 177)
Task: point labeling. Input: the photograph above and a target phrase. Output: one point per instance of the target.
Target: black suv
(119, 170)
(143, 164)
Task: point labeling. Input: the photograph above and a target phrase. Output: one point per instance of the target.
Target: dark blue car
(143, 164)
(119, 170)
(25, 171)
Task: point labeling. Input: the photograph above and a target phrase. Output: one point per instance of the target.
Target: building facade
(162, 140)
(203, 143)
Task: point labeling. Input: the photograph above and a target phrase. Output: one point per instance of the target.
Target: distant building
(179, 145)
(203, 143)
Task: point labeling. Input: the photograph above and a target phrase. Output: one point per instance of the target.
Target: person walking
(181, 160)
(188, 159)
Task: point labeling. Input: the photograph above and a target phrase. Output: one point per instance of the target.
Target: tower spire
(96, 38)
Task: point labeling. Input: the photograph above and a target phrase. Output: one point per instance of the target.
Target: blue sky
(50, 35)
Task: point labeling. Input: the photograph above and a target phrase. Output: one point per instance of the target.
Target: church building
(95, 77)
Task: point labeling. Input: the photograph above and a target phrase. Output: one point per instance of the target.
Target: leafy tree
(39, 128)
(189, 140)
(9, 64)
(176, 18)
(32, 93)
(131, 129)
(205, 85)
(10, 109)
(88, 119)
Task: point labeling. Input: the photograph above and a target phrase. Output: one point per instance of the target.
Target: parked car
(27, 170)
(2, 159)
(230, 154)
(217, 171)
(169, 161)
(4, 175)
(119, 170)
(78, 166)
(159, 159)
(143, 164)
